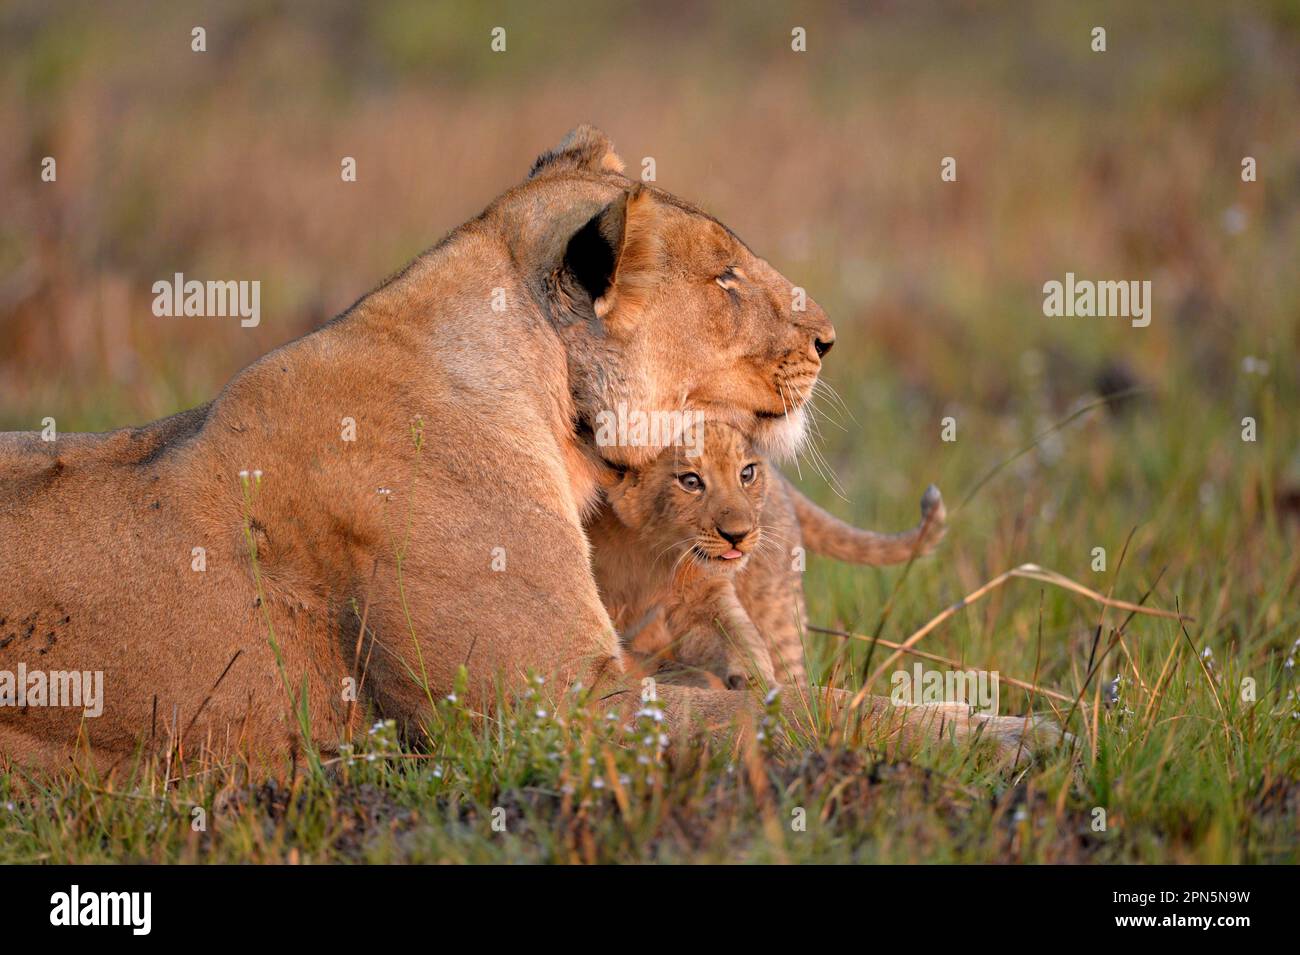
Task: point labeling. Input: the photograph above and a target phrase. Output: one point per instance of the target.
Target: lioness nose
(823, 344)
(733, 537)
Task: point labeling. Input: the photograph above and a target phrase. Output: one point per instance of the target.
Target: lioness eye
(747, 474)
(690, 481)
(727, 279)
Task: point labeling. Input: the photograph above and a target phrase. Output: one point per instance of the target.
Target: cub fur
(695, 559)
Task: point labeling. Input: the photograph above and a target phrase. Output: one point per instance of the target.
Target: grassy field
(1117, 165)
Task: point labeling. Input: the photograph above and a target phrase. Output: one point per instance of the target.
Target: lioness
(695, 556)
(452, 522)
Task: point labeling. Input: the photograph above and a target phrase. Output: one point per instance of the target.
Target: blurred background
(1117, 165)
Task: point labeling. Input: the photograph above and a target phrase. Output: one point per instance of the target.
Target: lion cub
(694, 557)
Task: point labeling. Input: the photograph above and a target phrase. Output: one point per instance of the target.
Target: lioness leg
(689, 710)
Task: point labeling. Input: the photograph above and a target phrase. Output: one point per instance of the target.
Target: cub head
(700, 510)
(664, 309)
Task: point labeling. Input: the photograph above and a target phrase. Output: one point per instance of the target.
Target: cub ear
(617, 256)
(585, 149)
(621, 493)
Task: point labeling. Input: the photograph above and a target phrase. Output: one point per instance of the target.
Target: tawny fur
(98, 531)
(657, 548)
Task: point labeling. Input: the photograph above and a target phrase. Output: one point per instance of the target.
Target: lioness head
(700, 510)
(666, 310)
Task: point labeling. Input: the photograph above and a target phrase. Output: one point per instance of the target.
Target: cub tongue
(732, 554)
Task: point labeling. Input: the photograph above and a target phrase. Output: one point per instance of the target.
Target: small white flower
(598, 783)
(1111, 694)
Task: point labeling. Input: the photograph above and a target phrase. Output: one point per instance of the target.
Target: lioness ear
(585, 149)
(617, 256)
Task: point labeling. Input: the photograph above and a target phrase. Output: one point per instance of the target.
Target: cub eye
(748, 473)
(729, 278)
(690, 481)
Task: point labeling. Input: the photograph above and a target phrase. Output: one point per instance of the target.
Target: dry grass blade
(1026, 571)
(1034, 572)
(946, 661)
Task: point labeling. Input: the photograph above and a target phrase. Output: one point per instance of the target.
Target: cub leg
(712, 631)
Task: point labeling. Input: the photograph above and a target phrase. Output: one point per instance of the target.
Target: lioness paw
(1020, 738)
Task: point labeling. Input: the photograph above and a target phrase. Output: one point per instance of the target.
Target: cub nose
(824, 344)
(733, 537)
